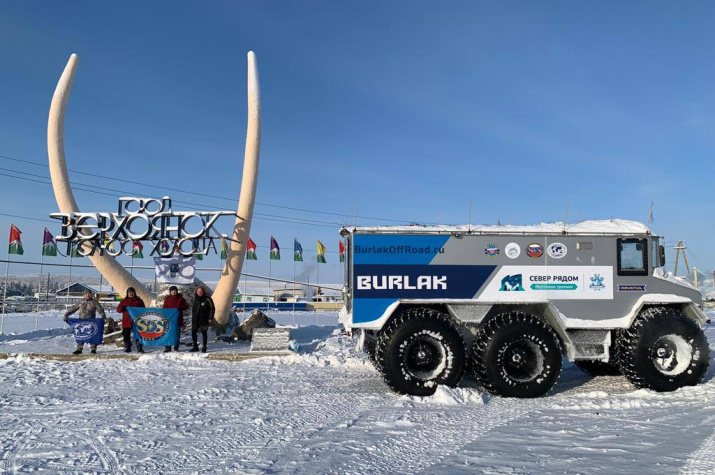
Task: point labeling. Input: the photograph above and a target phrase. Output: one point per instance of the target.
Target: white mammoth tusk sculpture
(115, 274)
(228, 283)
(110, 269)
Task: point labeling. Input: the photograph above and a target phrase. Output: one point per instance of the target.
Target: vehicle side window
(632, 256)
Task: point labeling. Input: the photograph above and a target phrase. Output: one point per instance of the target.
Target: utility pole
(681, 247)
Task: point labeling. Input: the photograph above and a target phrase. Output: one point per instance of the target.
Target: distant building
(76, 291)
(289, 295)
(11, 293)
(327, 295)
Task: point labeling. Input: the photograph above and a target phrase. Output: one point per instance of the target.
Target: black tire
(418, 350)
(663, 350)
(598, 368)
(516, 355)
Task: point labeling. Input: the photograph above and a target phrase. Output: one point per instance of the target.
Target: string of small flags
(49, 248)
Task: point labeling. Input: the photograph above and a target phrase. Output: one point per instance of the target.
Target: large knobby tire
(516, 355)
(663, 350)
(418, 350)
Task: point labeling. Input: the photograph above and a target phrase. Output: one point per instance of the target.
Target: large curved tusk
(115, 274)
(228, 283)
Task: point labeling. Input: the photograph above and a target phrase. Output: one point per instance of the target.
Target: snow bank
(450, 397)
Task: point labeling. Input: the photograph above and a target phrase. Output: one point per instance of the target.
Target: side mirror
(661, 256)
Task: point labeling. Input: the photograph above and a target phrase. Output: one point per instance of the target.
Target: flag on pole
(297, 251)
(137, 249)
(15, 243)
(200, 255)
(74, 250)
(49, 248)
(109, 244)
(341, 247)
(321, 253)
(275, 250)
(251, 250)
(224, 249)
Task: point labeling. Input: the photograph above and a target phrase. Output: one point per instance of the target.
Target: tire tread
(487, 331)
(628, 340)
(410, 315)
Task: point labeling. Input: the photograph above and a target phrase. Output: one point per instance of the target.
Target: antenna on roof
(566, 216)
(650, 215)
(356, 208)
(469, 227)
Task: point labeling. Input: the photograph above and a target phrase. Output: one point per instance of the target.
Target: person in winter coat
(176, 300)
(88, 308)
(202, 315)
(131, 300)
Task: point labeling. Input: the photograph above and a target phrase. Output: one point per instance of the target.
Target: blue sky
(409, 108)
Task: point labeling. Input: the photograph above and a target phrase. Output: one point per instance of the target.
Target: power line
(154, 186)
(268, 217)
(202, 205)
(27, 217)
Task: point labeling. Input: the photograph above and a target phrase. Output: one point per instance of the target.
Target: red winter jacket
(177, 301)
(122, 308)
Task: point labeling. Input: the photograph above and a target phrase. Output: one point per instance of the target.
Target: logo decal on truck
(534, 250)
(419, 282)
(552, 283)
(632, 288)
(556, 250)
(512, 250)
(401, 282)
(511, 283)
(492, 250)
(597, 283)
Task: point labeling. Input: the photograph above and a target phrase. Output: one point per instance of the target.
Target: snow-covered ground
(325, 410)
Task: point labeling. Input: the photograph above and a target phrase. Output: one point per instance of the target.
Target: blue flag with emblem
(155, 326)
(87, 330)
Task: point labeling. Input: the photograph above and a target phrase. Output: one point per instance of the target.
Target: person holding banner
(131, 300)
(176, 300)
(202, 315)
(88, 308)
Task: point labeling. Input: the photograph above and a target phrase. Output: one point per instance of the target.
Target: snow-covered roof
(596, 227)
(109, 290)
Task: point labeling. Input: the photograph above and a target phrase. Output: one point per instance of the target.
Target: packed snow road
(328, 411)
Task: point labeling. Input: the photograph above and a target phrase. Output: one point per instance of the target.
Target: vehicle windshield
(632, 256)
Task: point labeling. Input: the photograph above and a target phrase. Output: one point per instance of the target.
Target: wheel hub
(671, 355)
(523, 360)
(664, 352)
(423, 358)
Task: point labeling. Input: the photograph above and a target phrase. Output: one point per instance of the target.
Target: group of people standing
(202, 315)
